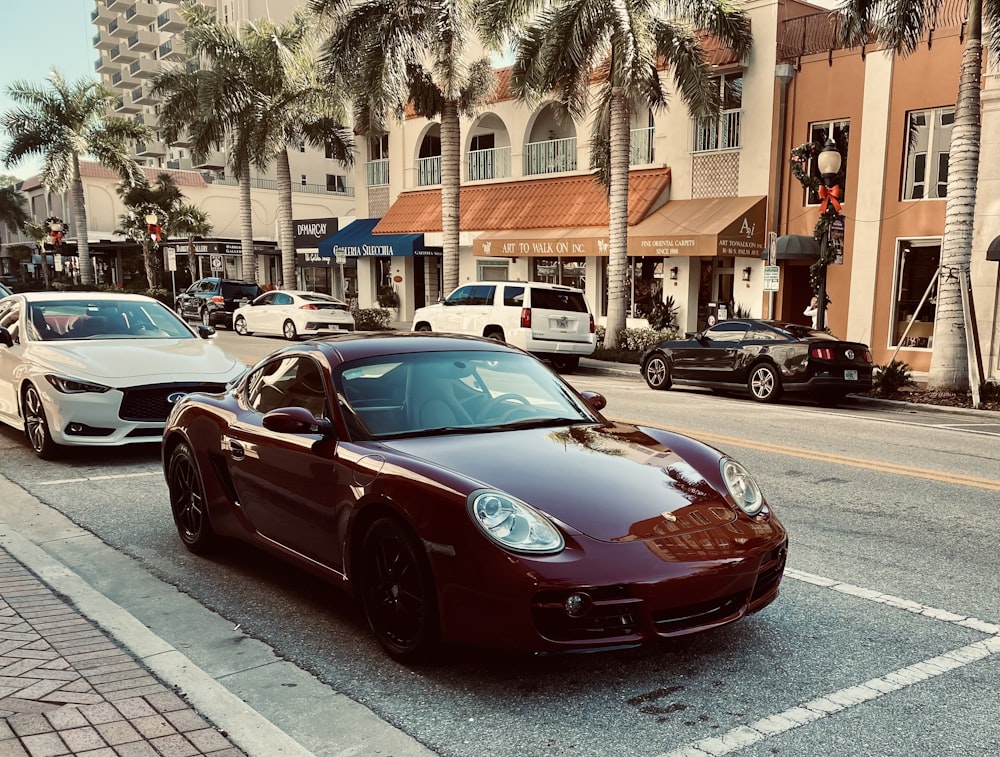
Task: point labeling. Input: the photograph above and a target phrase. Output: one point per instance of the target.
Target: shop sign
(309, 232)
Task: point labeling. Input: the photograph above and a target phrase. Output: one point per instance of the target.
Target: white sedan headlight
(742, 487)
(514, 525)
(75, 386)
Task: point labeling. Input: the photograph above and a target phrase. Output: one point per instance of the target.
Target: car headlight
(514, 525)
(742, 487)
(75, 386)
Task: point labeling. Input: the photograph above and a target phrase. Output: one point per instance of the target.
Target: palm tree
(12, 212)
(900, 25)
(142, 199)
(62, 123)
(38, 232)
(390, 57)
(569, 46)
(190, 221)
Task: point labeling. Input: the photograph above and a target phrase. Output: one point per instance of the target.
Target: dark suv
(213, 300)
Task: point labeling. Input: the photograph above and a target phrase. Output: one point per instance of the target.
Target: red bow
(154, 232)
(57, 237)
(831, 195)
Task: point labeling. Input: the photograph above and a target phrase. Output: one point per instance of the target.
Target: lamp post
(829, 161)
(153, 226)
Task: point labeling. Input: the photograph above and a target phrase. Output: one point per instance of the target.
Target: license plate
(851, 375)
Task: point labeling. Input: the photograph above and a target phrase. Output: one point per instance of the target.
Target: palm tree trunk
(192, 259)
(286, 239)
(949, 361)
(617, 218)
(451, 179)
(152, 279)
(246, 225)
(80, 222)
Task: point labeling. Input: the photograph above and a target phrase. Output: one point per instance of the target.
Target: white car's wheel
(240, 326)
(289, 330)
(36, 425)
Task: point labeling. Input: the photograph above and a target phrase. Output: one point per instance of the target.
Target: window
(291, 382)
(722, 133)
(378, 148)
(336, 183)
(302, 146)
(328, 150)
(819, 133)
(727, 333)
(916, 270)
(928, 139)
(304, 180)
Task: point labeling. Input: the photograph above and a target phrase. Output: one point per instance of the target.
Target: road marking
(850, 696)
(97, 478)
(979, 482)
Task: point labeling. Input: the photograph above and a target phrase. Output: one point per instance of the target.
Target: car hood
(612, 483)
(122, 362)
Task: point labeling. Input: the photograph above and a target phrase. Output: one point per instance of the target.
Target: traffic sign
(217, 263)
(772, 275)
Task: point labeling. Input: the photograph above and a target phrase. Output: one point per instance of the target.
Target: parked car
(98, 368)
(5, 290)
(765, 358)
(466, 493)
(548, 320)
(213, 300)
(293, 314)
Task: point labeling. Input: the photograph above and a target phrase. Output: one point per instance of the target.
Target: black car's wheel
(397, 591)
(187, 501)
(494, 334)
(565, 363)
(289, 330)
(764, 383)
(36, 426)
(656, 371)
(240, 326)
(423, 327)
(206, 316)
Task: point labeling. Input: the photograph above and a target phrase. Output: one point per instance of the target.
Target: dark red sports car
(764, 358)
(465, 493)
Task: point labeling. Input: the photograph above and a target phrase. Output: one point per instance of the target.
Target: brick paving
(66, 688)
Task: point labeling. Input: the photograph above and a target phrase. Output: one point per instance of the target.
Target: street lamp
(829, 161)
(153, 226)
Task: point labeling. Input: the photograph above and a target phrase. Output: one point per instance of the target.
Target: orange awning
(710, 227)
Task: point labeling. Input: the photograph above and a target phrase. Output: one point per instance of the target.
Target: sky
(40, 34)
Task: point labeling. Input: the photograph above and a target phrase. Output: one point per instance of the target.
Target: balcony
(143, 95)
(641, 147)
(175, 164)
(718, 134)
(493, 163)
(141, 12)
(169, 21)
(144, 68)
(183, 140)
(173, 49)
(551, 156)
(104, 42)
(152, 149)
(125, 105)
(121, 54)
(377, 173)
(429, 171)
(102, 15)
(143, 41)
(104, 65)
(116, 4)
(117, 29)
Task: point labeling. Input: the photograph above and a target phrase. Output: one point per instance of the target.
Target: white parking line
(98, 478)
(824, 706)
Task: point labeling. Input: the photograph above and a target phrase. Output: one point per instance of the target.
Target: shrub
(663, 315)
(889, 379)
(636, 340)
(371, 319)
(989, 392)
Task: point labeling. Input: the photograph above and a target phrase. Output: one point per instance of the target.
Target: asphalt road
(885, 639)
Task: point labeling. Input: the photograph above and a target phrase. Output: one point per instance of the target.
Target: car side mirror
(296, 420)
(595, 399)
(5, 338)
(699, 336)
(205, 332)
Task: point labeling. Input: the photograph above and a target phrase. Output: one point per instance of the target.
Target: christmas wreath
(800, 161)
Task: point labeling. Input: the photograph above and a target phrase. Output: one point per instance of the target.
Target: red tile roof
(561, 202)
(91, 170)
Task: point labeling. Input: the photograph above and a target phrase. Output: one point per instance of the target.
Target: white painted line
(824, 706)
(98, 478)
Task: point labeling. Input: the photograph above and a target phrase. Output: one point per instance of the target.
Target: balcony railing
(718, 134)
(552, 156)
(429, 171)
(377, 173)
(321, 189)
(492, 163)
(641, 146)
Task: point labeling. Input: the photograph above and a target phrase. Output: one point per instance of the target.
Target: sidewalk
(66, 688)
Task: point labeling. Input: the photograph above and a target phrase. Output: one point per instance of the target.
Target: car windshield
(104, 319)
(420, 394)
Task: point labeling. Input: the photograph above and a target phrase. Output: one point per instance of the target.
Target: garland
(800, 161)
(55, 237)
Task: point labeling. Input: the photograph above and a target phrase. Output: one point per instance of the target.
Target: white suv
(551, 321)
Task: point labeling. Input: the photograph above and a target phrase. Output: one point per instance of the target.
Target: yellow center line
(978, 482)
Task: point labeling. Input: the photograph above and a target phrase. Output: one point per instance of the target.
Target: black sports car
(765, 358)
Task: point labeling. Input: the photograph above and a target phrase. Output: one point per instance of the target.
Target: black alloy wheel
(656, 371)
(187, 501)
(397, 591)
(240, 326)
(764, 383)
(289, 330)
(36, 426)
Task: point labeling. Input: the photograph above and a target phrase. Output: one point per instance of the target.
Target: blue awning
(357, 241)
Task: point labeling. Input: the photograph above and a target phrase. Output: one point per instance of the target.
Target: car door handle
(236, 450)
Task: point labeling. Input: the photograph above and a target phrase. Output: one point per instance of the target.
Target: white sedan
(292, 314)
(100, 368)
